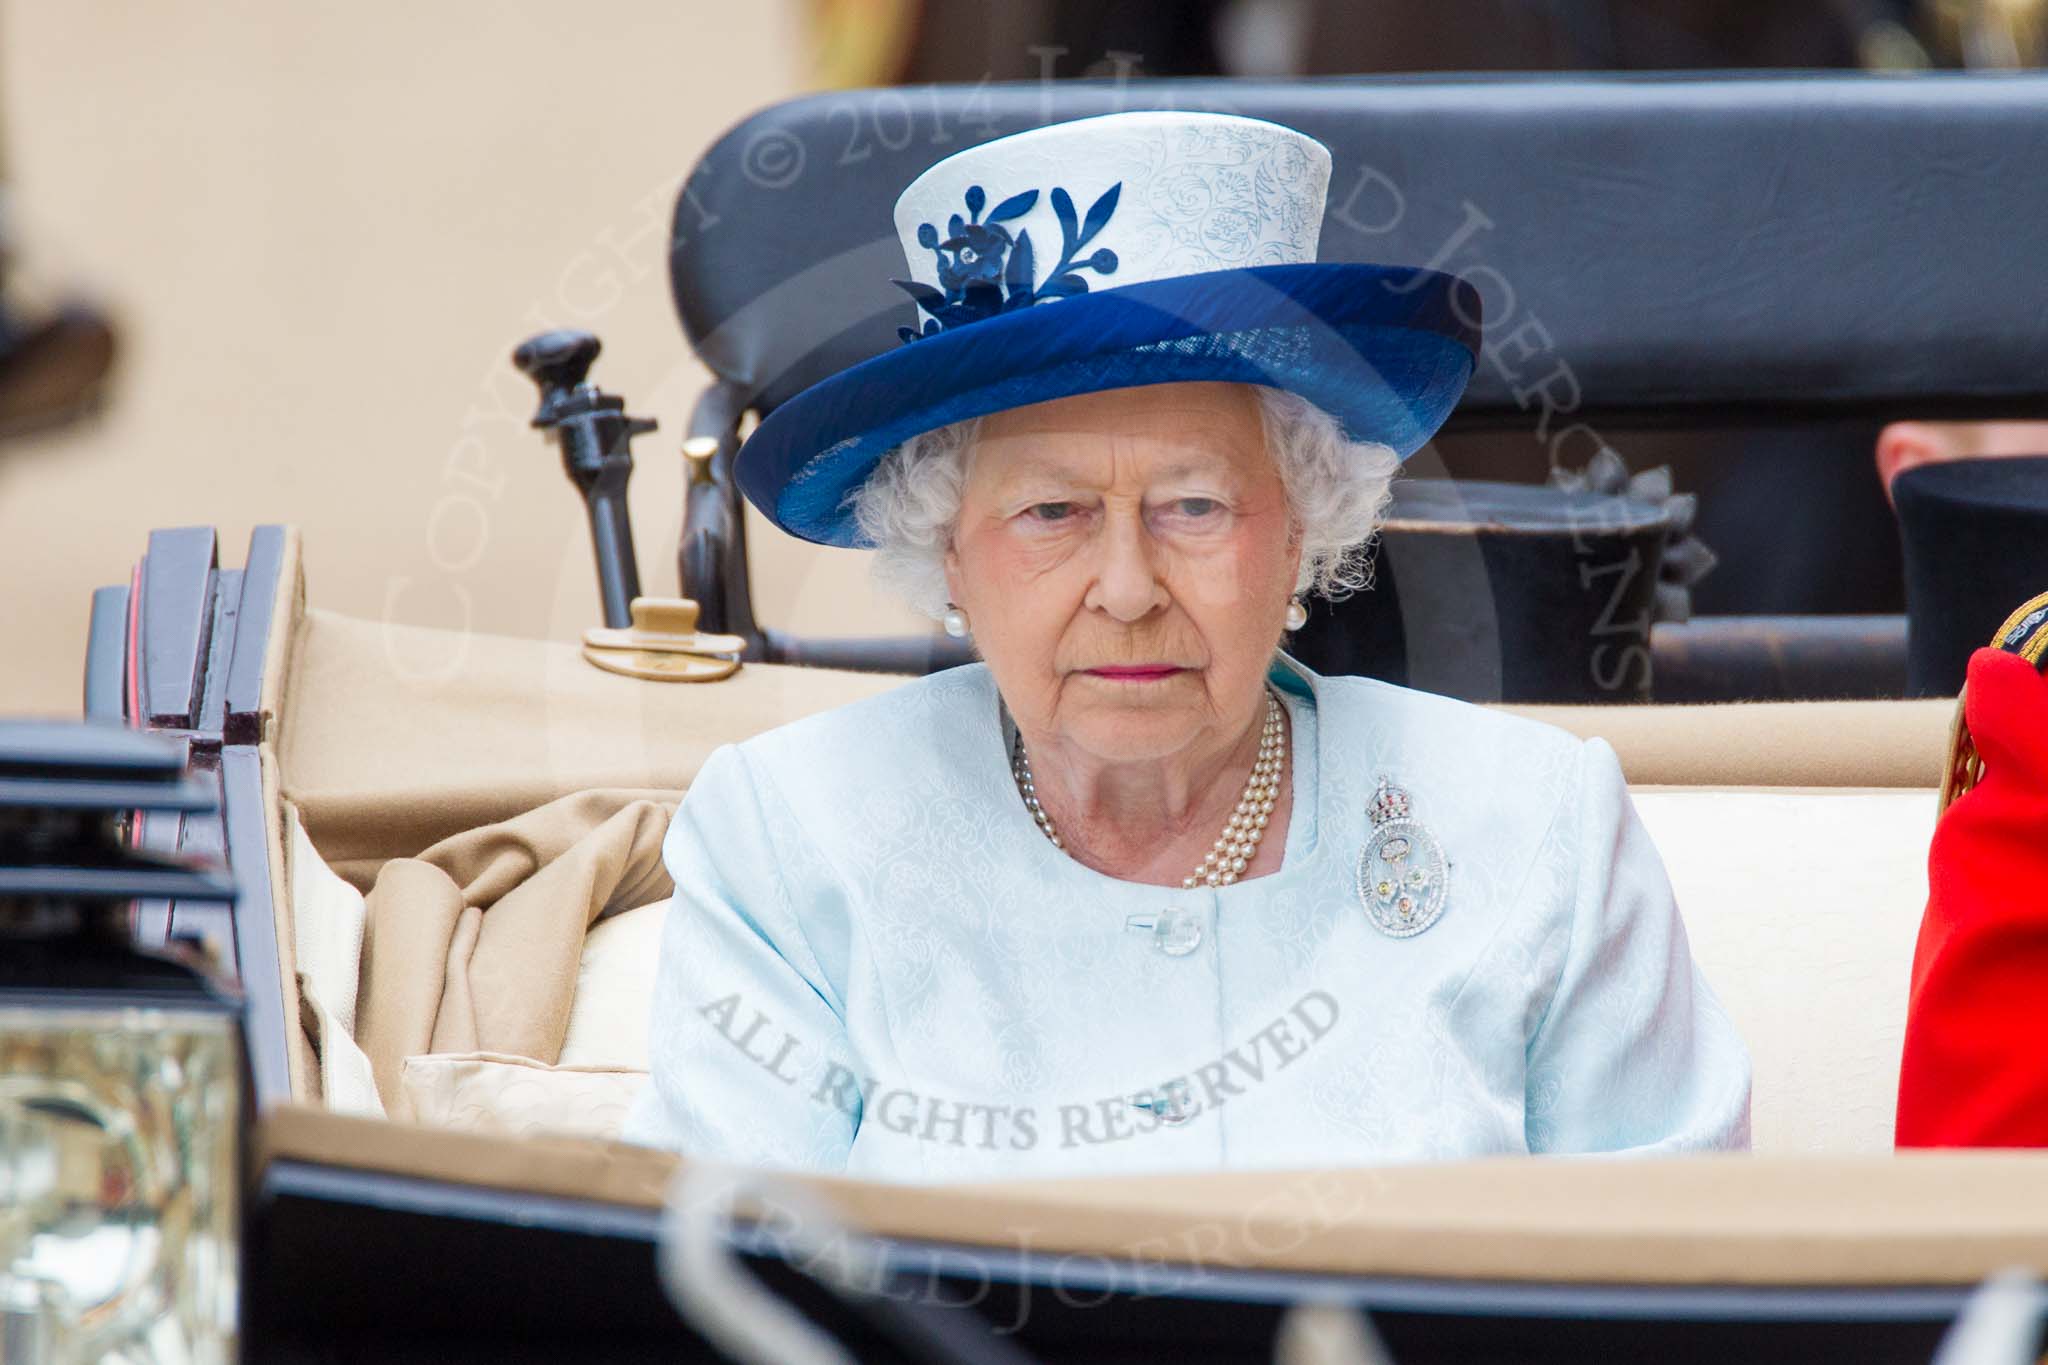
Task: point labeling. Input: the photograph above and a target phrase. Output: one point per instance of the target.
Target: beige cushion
(608, 1022)
(490, 1092)
(1803, 908)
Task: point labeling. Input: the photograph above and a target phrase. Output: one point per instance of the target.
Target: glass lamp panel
(119, 1184)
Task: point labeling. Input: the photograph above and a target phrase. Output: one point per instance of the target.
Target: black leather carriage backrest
(1742, 246)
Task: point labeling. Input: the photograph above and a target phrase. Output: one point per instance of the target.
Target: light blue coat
(878, 965)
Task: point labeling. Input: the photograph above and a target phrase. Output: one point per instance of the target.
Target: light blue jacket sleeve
(747, 1045)
(1633, 1052)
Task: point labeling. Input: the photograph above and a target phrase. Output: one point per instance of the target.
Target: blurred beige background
(322, 228)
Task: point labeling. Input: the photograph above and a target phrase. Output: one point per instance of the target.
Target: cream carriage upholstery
(1795, 835)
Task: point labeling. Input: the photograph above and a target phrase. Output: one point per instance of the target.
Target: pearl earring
(955, 622)
(1297, 615)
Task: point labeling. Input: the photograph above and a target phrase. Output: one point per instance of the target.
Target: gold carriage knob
(663, 644)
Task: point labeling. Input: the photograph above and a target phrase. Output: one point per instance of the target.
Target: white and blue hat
(1114, 252)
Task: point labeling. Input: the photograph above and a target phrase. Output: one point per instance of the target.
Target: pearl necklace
(1230, 855)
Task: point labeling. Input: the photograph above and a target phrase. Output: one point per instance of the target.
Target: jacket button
(1179, 933)
(1174, 932)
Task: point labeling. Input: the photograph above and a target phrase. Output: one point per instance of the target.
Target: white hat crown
(1100, 203)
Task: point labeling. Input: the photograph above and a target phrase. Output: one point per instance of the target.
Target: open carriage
(1697, 253)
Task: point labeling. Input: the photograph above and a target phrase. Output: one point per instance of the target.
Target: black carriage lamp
(122, 1085)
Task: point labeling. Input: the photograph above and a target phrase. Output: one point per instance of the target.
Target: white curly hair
(1337, 490)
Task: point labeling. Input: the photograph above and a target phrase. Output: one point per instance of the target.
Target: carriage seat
(1795, 835)
(1802, 908)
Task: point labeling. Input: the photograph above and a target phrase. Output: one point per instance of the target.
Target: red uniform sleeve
(1975, 1067)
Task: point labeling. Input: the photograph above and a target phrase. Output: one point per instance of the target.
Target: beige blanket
(473, 945)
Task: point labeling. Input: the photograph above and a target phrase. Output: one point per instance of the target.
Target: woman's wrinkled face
(1125, 559)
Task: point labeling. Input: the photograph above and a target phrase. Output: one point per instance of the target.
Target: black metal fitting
(595, 436)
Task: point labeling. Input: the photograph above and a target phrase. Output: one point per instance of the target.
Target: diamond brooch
(1402, 872)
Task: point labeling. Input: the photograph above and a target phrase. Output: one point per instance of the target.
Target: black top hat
(1514, 592)
(1975, 535)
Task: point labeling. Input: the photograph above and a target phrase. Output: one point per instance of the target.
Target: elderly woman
(1138, 891)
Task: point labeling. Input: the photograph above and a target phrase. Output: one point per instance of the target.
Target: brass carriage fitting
(697, 455)
(663, 645)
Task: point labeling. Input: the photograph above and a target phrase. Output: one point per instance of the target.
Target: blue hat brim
(1385, 350)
